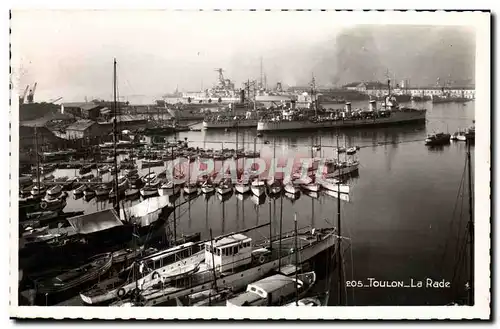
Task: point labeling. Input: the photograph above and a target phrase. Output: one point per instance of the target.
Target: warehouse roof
(80, 125)
(86, 106)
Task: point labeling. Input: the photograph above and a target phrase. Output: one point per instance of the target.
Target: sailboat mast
(339, 254)
(173, 192)
(37, 161)
(471, 230)
(296, 262)
(270, 227)
(212, 251)
(281, 233)
(115, 138)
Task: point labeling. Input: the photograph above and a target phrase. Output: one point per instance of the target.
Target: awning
(146, 212)
(95, 222)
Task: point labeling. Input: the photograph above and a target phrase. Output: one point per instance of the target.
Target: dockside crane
(55, 100)
(31, 94)
(21, 99)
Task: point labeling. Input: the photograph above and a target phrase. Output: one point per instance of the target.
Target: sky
(70, 53)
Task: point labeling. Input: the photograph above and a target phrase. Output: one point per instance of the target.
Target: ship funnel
(292, 104)
(373, 105)
(242, 96)
(348, 107)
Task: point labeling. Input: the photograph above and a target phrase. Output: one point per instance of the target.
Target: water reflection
(398, 210)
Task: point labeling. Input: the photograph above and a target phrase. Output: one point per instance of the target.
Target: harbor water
(401, 222)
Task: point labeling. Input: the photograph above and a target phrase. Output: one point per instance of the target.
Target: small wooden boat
(68, 184)
(461, 137)
(131, 192)
(152, 163)
(86, 177)
(25, 181)
(176, 262)
(128, 254)
(85, 169)
(89, 192)
(297, 179)
(102, 190)
(351, 151)
(224, 187)
(312, 187)
(310, 301)
(258, 187)
(292, 189)
(131, 172)
(55, 204)
(38, 190)
(122, 186)
(438, 139)
(169, 189)
(148, 191)
(80, 190)
(98, 266)
(61, 179)
(242, 187)
(104, 169)
(275, 290)
(333, 184)
(207, 187)
(55, 191)
(343, 196)
(274, 186)
(190, 188)
(149, 177)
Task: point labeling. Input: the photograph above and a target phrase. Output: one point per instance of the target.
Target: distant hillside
(419, 53)
(36, 110)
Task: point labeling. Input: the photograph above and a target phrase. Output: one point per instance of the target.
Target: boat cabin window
(218, 251)
(207, 248)
(252, 289)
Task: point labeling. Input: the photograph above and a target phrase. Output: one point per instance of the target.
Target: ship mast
(115, 137)
(37, 161)
(471, 230)
(313, 93)
(339, 253)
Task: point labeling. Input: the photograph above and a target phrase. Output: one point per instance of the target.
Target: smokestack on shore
(347, 107)
(242, 96)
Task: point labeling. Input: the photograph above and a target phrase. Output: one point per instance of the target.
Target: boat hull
(241, 279)
(240, 188)
(400, 117)
(223, 190)
(250, 123)
(258, 190)
(169, 191)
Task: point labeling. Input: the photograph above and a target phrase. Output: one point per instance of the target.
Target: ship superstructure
(387, 113)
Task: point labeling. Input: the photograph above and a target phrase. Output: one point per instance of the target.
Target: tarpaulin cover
(147, 211)
(95, 222)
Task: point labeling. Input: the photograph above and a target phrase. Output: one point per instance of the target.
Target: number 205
(353, 284)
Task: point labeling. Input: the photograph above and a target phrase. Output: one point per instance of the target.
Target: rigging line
(460, 221)
(460, 255)
(126, 80)
(461, 259)
(345, 286)
(460, 190)
(352, 261)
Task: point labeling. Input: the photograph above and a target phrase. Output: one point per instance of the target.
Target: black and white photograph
(241, 158)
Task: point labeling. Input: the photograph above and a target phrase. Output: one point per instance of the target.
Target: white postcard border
(481, 21)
